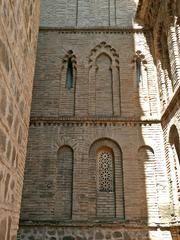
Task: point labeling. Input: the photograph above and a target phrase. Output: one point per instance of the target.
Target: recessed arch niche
(104, 81)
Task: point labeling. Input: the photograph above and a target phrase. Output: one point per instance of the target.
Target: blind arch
(64, 183)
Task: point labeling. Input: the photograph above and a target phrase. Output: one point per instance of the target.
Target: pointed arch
(68, 78)
(104, 81)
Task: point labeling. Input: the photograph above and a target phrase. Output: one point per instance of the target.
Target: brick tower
(96, 163)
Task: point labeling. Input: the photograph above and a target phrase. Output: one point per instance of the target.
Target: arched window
(106, 192)
(139, 70)
(140, 64)
(69, 77)
(175, 154)
(105, 183)
(64, 183)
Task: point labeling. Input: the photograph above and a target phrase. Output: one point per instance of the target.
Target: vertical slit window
(139, 70)
(69, 77)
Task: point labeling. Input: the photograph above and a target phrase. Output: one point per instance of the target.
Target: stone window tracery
(105, 171)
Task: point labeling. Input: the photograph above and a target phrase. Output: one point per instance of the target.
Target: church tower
(96, 165)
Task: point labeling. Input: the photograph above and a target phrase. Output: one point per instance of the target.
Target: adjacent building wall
(19, 22)
(164, 19)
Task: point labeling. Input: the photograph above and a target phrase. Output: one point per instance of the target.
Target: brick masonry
(17, 59)
(109, 106)
(80, 13)
(113, 105)
(166, 31)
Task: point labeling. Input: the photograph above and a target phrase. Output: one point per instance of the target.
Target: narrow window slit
(69, 78)
(139, 70)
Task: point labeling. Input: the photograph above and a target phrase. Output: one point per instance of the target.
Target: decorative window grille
(105, 171)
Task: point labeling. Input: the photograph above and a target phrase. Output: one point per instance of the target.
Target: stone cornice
(37, 121)
(93, 29)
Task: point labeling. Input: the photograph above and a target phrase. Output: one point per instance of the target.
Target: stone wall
(80, 232)
(18, 36)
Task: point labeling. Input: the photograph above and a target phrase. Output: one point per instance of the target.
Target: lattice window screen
(105, 171)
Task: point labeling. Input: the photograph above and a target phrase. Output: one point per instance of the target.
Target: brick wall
(64, 183)
(165, 43)
(88, 13)
(110, 104)
(41, 168)
(170, 120)
(18, 35)
(131, 99)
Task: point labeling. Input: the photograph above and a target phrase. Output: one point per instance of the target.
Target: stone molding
(114, 224)
(38, 121)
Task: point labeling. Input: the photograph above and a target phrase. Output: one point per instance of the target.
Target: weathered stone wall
(18, 36)
(80, 232)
